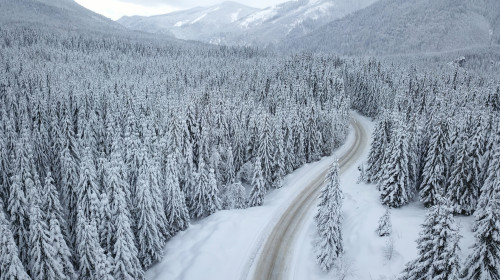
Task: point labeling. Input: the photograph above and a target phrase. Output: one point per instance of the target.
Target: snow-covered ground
(365, 250)
(224, 245)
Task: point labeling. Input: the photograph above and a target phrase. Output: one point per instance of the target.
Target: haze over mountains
(367, 27)
(358, 27)
(54, 13)
(236, 24)
(400, 26)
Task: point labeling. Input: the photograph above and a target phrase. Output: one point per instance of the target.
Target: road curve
(274, 260)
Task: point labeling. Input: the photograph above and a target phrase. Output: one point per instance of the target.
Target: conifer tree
(384, 224)
(329, 221)
(70, 176)
(484, 262)
(379, 149)
(126, 263)
(174, 200)
(22, 182)
(93, 262)
(52, 211)
(43, 256)
(434, 173)
(234, 196)
(205, 198)
(395, 186)
(150, 220)
(461, 191)
(258, 186)
(265, 150)
(437, 247)
(11, 266)
(279, 158)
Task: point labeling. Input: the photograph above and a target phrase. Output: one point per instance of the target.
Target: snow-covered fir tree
(11, 266)
(52, 211)
(434, 172)
(484, 262)
(378, 149)
(205, 197)
(329, 219)
(174, 200)
(234, 196)
(384, 227)
(395, 185)
(438, 250)
(258, 186)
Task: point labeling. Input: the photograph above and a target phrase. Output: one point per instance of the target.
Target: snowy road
(275, 256)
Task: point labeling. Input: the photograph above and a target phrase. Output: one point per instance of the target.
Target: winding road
(277, 252)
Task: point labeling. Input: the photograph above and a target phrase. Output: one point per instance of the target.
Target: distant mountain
(235, 24)
(402, 26)
(65, 14)
(202, 23)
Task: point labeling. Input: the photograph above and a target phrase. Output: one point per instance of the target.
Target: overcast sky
(115, 9)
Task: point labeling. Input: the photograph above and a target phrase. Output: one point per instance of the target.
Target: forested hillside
(110, 146)
(397, 26)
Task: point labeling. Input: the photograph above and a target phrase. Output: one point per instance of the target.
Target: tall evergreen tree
(395, 185)
(44, 258)
(22, 182)
(93, 262)
(53, 215)
(11, 266)
(150, 220)
(484, 262)
(378, 149)
(205, 197)
(329, 221)
(258, 186)
(437, 247)
(174, 200)
(265, 150)
(434, 173)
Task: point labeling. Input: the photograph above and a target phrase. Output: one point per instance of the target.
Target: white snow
(259, 17)
(236, 15)
(181, 23)
(364, 248)
(198, 19)
(224, 245)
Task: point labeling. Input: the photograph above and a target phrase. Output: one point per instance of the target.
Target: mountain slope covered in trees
(397, 26)
(234, 24)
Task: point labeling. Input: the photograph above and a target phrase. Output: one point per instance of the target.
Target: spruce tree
(174, 200)
(379, 149)
(329, 221)
(234, 196)
(462, 191)
(384, 224)
(43, 255)
(258, 186)
(484, 262)
(11, 266)
(53, 215)
(434, 173)
(22, 182)
(205, 197)
(150, 219)
(265, 150)
(93, 262)
(395, 185)
(437, 247)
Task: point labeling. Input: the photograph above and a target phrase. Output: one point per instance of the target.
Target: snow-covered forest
(113, 143)
(110, 146)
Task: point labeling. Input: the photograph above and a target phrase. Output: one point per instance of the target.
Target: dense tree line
(436, 140)
(109, 146)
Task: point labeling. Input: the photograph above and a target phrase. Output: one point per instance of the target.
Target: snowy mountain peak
(236, 24)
